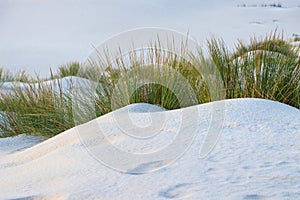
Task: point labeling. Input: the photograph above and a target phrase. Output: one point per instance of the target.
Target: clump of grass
(35, 109)
(70, 69)
(75, 69)
(267, 68)
(297, 39)
(152, 76)
(7, 76)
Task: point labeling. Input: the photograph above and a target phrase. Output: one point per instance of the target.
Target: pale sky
(38, 34)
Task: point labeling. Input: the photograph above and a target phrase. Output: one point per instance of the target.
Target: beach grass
(35, 109)
(266, 68)
(7, 76)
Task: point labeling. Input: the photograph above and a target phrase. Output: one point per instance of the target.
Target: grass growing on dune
(70, 69)
(151, 76)
(44, 110)
(7, 76)
(35, 109)
(266, 68)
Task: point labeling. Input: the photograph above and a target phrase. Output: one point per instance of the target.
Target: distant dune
(65, 83)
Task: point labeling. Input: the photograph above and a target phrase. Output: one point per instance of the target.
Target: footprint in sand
(179, 191)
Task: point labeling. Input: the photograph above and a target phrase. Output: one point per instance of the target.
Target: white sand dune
(13, 144)
(67, 85)
(257, 157)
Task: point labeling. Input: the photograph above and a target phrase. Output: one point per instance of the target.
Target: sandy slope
(257, 157)
(12, 144)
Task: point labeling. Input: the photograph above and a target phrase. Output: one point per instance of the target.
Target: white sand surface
(12, 144)
(66, 84)
(256, 157)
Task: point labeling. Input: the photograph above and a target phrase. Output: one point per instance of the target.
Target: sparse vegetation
(276, 5)
(296, 37)
(157, 77)
(266, 68)
(7, 76)
(70, 69)
(35, 109)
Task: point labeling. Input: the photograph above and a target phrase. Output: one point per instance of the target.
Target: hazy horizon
(38, 35)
